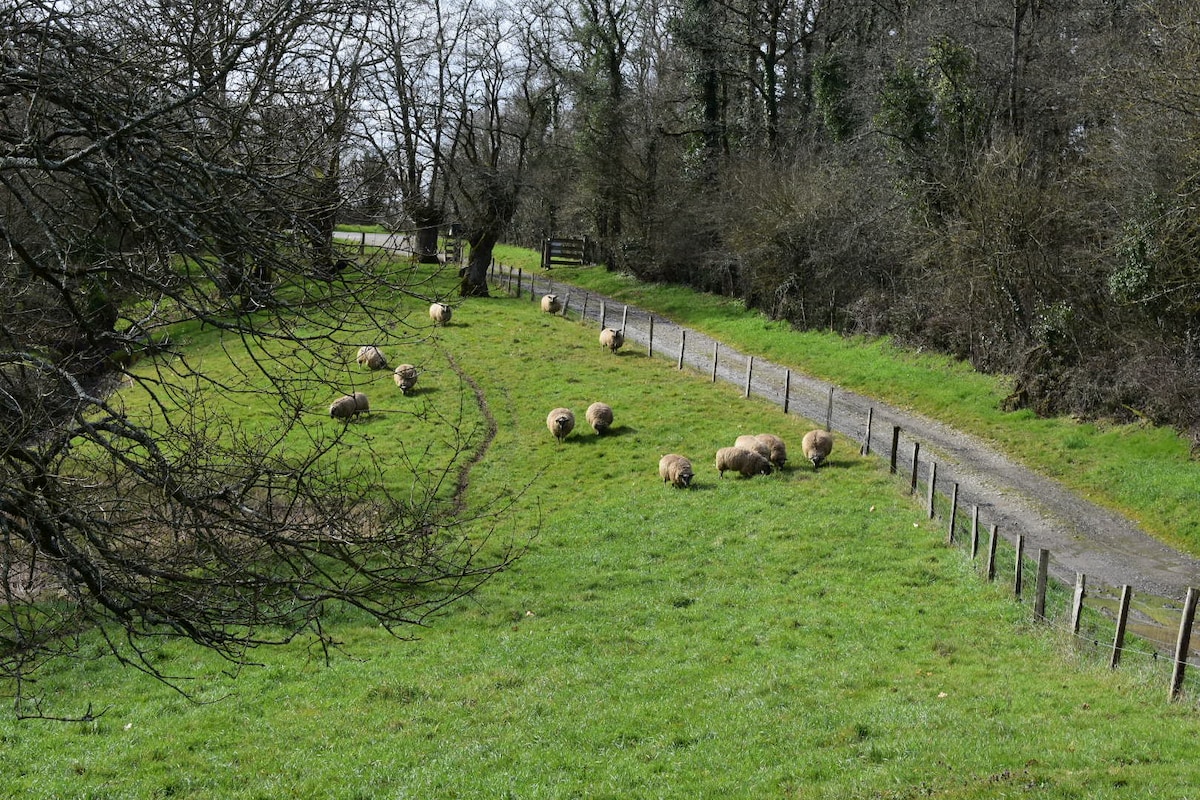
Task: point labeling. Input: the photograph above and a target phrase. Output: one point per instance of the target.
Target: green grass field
(799, 635)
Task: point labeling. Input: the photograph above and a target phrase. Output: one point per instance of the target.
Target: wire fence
(1103, 618)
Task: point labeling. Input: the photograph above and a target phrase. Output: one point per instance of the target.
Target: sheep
(676, 469)
(346, 406)
(748, 462)
(440, 313)
(752, 443)
(778, 450)
(370, 356)
(561, 421)
(612, 339)
(817, 446)
(551, 304)
(405, 377)
(600, 417)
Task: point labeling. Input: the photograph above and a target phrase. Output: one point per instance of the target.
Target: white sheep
(747, 462)
(440, 313)
(777, 454)
(371, 357)
(560, 421)
(612, 339)
(747, 442)
(347, 406)
(405, 377)
(817, 445)
(600, 417)
(676, 469)
(551, 304)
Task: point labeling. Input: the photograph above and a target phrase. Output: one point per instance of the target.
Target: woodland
(1012, 183)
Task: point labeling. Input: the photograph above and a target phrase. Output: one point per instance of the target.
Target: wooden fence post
(912, 488)
(749, 373)
(895, 446)
(583, 312)
(650, 338)
(829, 411)
(1018, 574)
(716, 347)
(1122, 618)
(603, 315)
(624, 319)
(1043, 575)
(1183, 642)
(518, 282)
(993, 537)
(932, 487)
(682, 344)
(953, 514)
(866, 445)
(974, 532)
(787, 389)
(1077, 601)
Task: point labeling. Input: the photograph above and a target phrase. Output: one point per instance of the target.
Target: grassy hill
(801, 635)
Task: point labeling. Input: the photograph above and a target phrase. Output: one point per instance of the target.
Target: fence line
(776, 384)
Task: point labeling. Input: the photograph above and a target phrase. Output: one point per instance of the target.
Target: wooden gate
(563, 251)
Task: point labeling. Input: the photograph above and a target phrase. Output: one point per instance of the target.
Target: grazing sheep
(600, 417)
(560, 421)
(551, 304)
(752, 443)
(440, 313)
(676, 469)
(347, 406)
(817, 446)
(612, 339)
(405, 377)
(370, 356)
(778, 450)
(748, 462)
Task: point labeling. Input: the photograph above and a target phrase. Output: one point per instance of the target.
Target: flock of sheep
(749, 456)
(405, 375)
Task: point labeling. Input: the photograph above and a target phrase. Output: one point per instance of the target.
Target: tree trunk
(474, 274)
(427, 244)
(428, 218)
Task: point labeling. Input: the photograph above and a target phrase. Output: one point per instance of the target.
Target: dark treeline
(1009, 182)
(1013, 183)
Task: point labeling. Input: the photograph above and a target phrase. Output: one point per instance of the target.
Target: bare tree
(154, 175)
(414, 85)
(500, 123)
